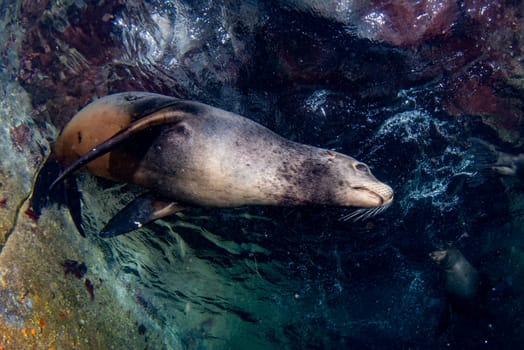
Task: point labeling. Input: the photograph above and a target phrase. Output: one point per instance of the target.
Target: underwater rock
(406, 23)
(65, 55)
(71, 53)
(466, 52)
(22, 148)
(469, 50)
(23, 142)
(42, 307)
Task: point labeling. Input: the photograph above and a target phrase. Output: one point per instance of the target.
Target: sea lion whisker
(363, 213)
(382, 208)
(369, 214)
(351, 215)
(357, 215)
(373, 212)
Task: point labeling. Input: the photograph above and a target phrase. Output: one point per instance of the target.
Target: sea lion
(488, 157)
(194, 154)
(461, 278)
(474, 300)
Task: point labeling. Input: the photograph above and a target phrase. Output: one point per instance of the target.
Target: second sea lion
(461, 278)
(194, 154)
(488, 157)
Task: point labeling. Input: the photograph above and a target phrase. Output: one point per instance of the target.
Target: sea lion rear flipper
(41, 197)
(73, 199)
(142, 210)
(67, 194)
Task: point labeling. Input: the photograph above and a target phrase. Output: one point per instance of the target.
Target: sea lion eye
(362, 167)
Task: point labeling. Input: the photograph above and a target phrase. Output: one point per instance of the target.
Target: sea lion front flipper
(167, 115)
(142, 210)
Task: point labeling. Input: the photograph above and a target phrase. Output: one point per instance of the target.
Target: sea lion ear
(142, 104)
(142, 210)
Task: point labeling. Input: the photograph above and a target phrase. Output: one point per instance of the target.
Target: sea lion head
(445, 258)
(360, 187)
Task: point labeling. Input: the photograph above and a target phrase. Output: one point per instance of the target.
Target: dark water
(317, 73)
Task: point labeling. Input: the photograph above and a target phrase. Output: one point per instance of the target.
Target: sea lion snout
(383, 192)
(372, 195)
(363, 188)
(386, 193)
